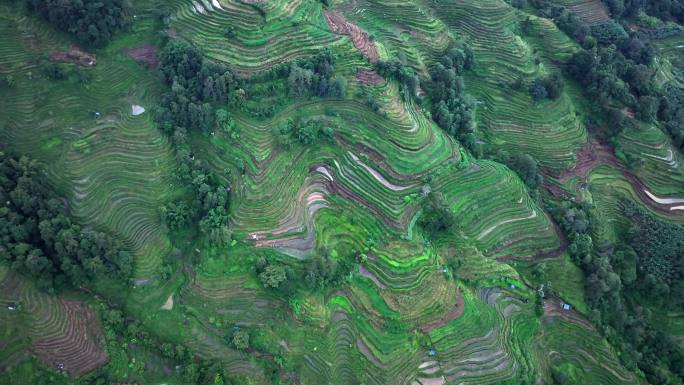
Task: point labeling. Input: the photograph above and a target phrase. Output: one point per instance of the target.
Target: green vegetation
(39, 238)
(92, 22)
(325, 192)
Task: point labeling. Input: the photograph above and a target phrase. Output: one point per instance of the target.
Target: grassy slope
(116, 175)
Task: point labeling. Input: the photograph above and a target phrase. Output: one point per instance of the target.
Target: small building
(432, 352)
(566, 306)
(12, 306)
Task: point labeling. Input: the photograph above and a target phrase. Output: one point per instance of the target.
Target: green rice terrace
(352, 192)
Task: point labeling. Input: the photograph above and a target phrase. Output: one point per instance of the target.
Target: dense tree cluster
(120, 330)
(663, 9)
(398, 69)
(549, 87)
(210, 200)
(38, 237)
(615, 68)
(315, 77)
(276, 276)
(92, 22)
(619, 276)
(660, 249)
(324, 270)
(671, 112)
(452, 107)
(436, 217)
(195, 83)
(523, 164)
(305, 131)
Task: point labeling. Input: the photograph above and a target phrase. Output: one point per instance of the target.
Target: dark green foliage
(559, 378)
(571, 24)
(55, 71)
(321, 271)
(194, 82)
(618, 73)
(230, 32)
(660, 249)
(275, 276)
(539, 304)
(663, 9)
(519, 3)
(452, 107)
(226, 123)
(92, 22)
(240, 339)
(647, 108)
(649, 265)
(300, 81)
(538, 91)
(436, 217)
(38, 237)
(176, 214)
(314, 77)
(306, 131)
(210, 195)
(672, 113)
(549, 87)
(398, 69)
(608, 33)
(7, 81)
(525, 165)
(215, 226)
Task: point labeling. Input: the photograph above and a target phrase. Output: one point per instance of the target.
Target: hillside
(341, 192)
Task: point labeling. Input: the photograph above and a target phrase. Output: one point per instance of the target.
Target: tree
(93, 22)
(299, 81)
(225, 122)
(37, 236)
(452, 107)
(55, 71)
(436, 217)
(647, 109)
(273, 276)
(176, 214)
(321, 270)
(538, 90)
(527, 168)
(554, 85)
(241, 339)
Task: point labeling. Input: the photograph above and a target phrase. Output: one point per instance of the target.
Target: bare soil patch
(168, 305)
(553, 308)
(369, 77)
(146, 55)
(75, 55)
(338, 24)
(595, 154)
(592, 155)
(78, 350)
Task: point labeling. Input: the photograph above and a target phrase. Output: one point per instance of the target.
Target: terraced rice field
(590, 11)
(405, 312)
(63, 334)
(113, 167)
